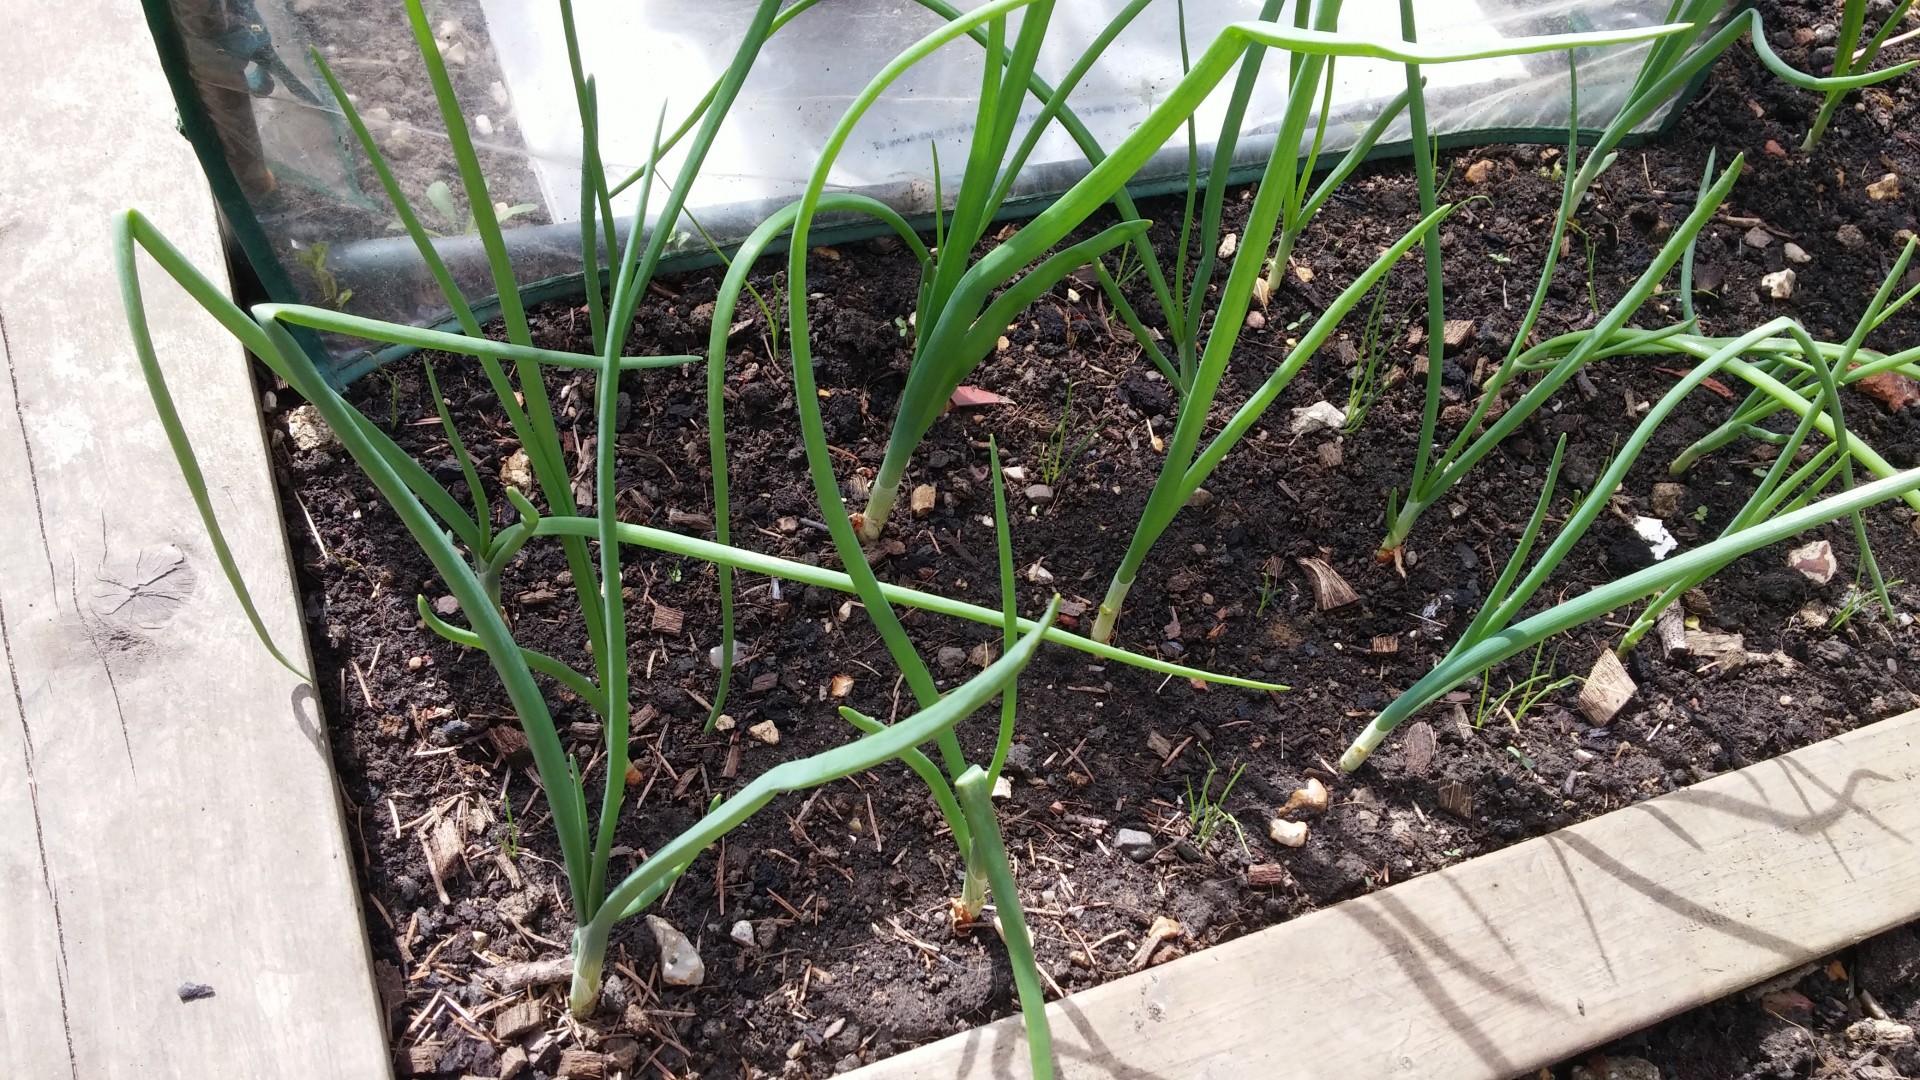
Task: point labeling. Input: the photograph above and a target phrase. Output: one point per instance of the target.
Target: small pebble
(742, 933)
(1319, 416)
(1134, 844)
(1758, 238)
(1039, 494)
(1882, 1032)
(680, 964)
(308, 430)
(766, 732)
(1796, 254)
(1287, 833)
(1779, 284)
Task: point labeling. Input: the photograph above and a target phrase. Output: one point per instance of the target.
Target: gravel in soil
(848, 954)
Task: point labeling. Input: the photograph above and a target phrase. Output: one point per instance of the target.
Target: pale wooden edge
(1524, 957)
(168, 812)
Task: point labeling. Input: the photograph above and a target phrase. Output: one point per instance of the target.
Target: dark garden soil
(851, 956)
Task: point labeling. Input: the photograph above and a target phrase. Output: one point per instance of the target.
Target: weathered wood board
(1524, 957)
(167, 808)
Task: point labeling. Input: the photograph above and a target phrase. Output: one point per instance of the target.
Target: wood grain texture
(1520, 958)
(167, 808)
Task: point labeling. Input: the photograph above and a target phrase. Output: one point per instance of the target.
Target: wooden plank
(167, 809)
(1524, 957)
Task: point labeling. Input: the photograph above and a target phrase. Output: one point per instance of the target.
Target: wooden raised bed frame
(1518, 959)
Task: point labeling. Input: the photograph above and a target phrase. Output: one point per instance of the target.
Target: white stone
(1779, 284)
(742, 933)
(1654, 531)
(680, 965)
(1814, 561)
(1319, 416)
(308, 431)
(1796, 254)
(1884, 1032)
(517, 472)
(1287, 833)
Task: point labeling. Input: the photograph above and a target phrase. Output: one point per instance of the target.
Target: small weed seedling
(1526, 693)
(440, 195)
(1056, 458)
(1270, 578)
(1206, 812)
(1856, 601)
(510, 839)
(314, 258)
(1367, 376)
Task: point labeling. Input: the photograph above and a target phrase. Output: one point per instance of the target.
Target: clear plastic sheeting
(309, 203)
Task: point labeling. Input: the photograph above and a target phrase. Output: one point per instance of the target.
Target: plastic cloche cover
(321, 213)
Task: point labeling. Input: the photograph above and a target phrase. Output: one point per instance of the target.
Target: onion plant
(1850, 56)
(965, 304)
(1187, 466)
(1672, 61)
(964, 307)
(470, 554)
(1499, 643)
(465, 551)
(1782, 505)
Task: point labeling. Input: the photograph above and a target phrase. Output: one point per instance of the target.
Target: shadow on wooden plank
(1520, 958)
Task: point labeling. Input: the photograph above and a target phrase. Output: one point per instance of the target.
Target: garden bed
(852, 954)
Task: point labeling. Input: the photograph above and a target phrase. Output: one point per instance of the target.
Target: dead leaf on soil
(968, 397)
(1330, 590)
(1892, 389)
(1608, 689)
(1419, 748)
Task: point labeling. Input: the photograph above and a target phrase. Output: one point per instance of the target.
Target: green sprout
(1855, 602)
(1525, 694)
(1206, 812)
(1056, 458)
